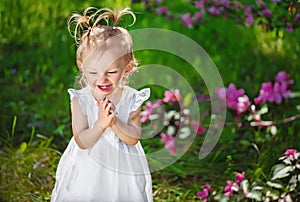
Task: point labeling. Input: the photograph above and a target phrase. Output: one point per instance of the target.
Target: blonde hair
(97, 30)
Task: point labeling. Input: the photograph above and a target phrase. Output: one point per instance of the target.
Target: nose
(102, 77)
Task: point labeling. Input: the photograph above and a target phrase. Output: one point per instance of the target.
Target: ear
(79, 64)
(129, 68)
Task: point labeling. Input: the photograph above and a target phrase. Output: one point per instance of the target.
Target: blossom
(204, 193)
(265, 93)
(290, 153)
(228, 188)
(239, 177)
(200, 4)
(214, 10)
(297, 17)
(249, 16)
(276, 1)
(148, 111)
(172, 96)
(197, 16)
(198, 129)
(187, 20)
(235, 98)
(279, 91)
(224, 3)
(243, 104)
(289, 28)
(169, 142)
(261, 3)
(282, 76)
(266, 12)
(162, 10)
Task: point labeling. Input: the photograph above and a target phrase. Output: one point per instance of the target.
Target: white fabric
(110, 170)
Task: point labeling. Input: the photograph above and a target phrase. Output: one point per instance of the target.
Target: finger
(108, 107)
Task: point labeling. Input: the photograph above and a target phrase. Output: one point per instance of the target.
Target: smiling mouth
(105, 88)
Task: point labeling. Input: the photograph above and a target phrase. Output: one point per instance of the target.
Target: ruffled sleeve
(80, 95)
(138, 98)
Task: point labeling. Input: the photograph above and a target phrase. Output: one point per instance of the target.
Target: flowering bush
(176, 121)
(283, 182)
(275, 14)
(282, 185)
(175, 118)
(270, 92)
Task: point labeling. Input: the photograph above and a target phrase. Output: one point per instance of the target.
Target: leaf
(254, 195)
(274, 185)
(187, 99)
(282, 173)
(245, 186)
(23, 147)
(273, 130)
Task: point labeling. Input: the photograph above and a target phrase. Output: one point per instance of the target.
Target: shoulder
(136, 97)
(84, 92)
(142, 93)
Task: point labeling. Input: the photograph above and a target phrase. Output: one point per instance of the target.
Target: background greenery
(37, 66)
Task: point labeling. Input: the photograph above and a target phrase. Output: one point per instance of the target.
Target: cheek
(91, 79)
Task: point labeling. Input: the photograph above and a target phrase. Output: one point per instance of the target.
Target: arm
(84, 136)
(129, 133)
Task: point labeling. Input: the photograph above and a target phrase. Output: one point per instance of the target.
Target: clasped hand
(106, 113)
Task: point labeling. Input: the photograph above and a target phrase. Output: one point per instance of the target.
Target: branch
(271, 123)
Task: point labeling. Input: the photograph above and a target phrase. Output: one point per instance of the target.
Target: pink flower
(266, 12)
(198, 129)
(297, 17)
(249, 16)
(214, 10)
(169, 142)
(249, 20)
(243, 104)
(200, 4)
(283, 76)
(172, 96)
(289, 28)
(224, 3)
(187, 20)
(280, 90)
(221, 92)
(276, 1)
(265, 94)
(239, 177)
(204, 193)
(232, 95)
(197, 16)
(162, 10)
(235, 98)
(228, 188)
(276, 93)
(291, 153)
(261, 3)
(148, 111)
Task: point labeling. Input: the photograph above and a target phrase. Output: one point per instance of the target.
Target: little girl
(104, 160)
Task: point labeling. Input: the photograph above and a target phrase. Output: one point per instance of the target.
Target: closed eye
(112, 72)
(93, 73)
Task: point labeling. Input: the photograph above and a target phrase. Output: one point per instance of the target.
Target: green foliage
(27, 171)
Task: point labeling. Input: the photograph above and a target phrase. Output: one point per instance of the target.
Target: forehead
(104, 59)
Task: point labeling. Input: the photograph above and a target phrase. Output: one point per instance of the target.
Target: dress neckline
(123, 94)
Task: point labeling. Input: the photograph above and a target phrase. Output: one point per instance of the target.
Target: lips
(105, 88)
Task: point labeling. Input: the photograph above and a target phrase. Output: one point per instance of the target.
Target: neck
(114, 96)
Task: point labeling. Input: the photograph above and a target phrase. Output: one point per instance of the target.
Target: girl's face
(104, 74)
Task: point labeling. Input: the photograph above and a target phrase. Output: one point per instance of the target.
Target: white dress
(110, 170)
